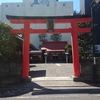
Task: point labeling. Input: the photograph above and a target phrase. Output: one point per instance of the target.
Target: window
(47, 4)
(31, 5)
(63, 4)
(50, 25)
(6, 5)
(17, 5)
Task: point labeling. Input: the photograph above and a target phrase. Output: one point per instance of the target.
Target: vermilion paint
(27, 31)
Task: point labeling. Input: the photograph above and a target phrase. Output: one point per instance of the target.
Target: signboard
(41, 2)
(50, 25)
(36, 2)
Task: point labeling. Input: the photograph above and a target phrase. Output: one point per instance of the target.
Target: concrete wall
(30, 8)
(52, 8)
(89, 71)
(82, 6)
(85, 6)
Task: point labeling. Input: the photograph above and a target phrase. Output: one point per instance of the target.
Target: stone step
(51, 78)
(58, 81)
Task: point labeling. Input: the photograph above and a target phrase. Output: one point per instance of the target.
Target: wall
(89, 71)
(10, 72)
(82, 6)
(85, 6)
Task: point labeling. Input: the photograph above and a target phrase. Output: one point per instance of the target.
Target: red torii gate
(43, 20)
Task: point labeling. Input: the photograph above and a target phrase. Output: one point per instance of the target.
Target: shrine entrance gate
(74, 30)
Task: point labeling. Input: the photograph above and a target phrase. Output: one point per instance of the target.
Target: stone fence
(10, 72)
(89, 71)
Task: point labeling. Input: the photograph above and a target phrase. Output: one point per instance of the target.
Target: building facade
(38, 8)
(85, 8)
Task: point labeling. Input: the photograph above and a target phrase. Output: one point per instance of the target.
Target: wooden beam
(17, 31)
(83, 30)
(72, 20)
(43, 21)
(41, 31)
(22, 21)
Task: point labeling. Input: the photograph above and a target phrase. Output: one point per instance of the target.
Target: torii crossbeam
(74, 30)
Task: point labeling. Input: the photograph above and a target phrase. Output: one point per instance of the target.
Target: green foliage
(76, 13)
(42, 37)
(56, 37)
(85, 46)
(84, 25)
(7, 43)
(85, 41)
(68, 49)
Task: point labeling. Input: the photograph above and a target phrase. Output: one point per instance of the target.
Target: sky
(76, 3)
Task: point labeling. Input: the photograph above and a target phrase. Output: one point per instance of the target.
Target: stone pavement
(53, 74)
(51, 70)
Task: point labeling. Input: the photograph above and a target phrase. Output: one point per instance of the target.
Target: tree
(84, 42)
(56, 37)
(68, 49)
(84, 39)
(8, 43)
(76, 13)
(42, 37)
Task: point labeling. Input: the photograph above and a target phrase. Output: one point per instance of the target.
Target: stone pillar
(66, 57)
(45, 54)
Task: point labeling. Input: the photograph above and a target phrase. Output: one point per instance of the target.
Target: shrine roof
(46, 17)
(54, 46)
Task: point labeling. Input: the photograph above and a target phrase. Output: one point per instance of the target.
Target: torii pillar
(26, 46)
(75, 51)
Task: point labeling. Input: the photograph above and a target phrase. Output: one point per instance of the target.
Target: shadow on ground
(37, 73)
(18, 90)
(35, 89)
(33, 66)
(66, 91)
